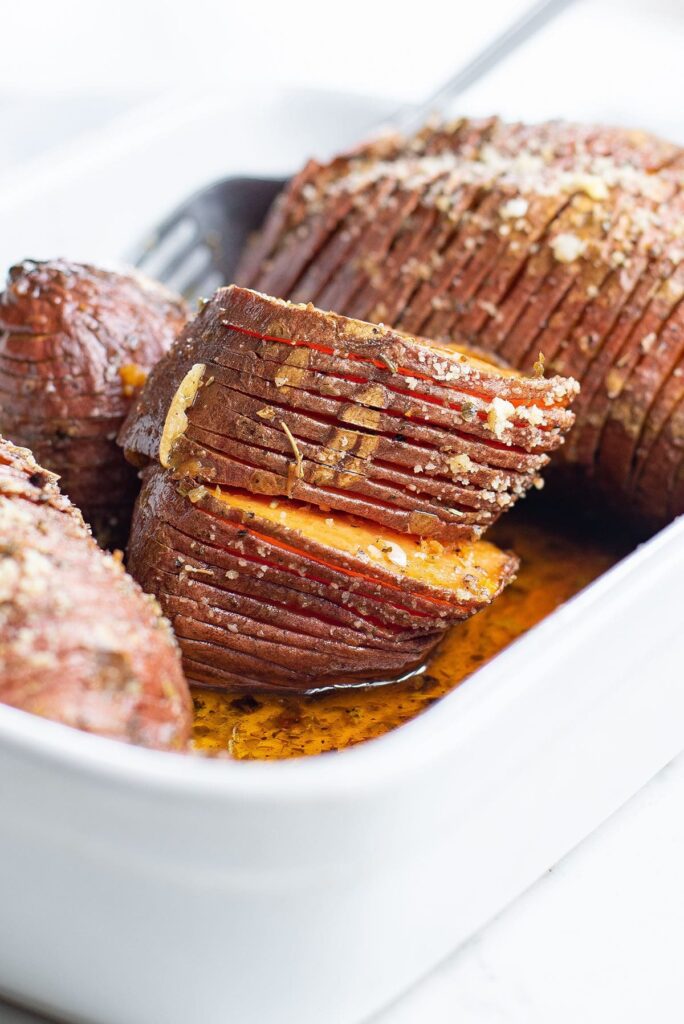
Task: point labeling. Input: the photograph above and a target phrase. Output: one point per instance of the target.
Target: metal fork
(196, 248)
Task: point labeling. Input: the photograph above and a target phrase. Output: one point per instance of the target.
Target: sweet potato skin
(79, 641)
(76, 343)
(255, 605)
(556, 237)
(343, 398)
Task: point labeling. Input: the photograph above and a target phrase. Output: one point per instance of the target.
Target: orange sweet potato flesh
(557, 237)
(287, 400)
(76, 343)
(276, 594)
(79, 641)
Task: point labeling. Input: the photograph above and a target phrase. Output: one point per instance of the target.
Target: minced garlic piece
(538, 368)
(395, 553)
(176, 422)
(196, 494)
(615, 382)
(591, 184)
(431, 547)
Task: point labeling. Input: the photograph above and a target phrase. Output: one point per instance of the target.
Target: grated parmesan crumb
(514, 208)
(567, 247)
(499, 414)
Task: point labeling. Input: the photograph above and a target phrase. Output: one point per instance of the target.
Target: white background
(83, 60)
(600, 938)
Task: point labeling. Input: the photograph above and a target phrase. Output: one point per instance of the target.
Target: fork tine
(167, 246)
(218, 217)
(195, 273)
(193, 263)
(166, 261)
(203, 285)
(157, 236)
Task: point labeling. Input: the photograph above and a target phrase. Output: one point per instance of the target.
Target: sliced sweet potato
(614, 354)
(261, 245)
(427, 275)
(443, 256)
(523, 222)
(381, 224)
(673, 439)
(79, 641)
(455, 403)
(334, 410)
(246, 343)
(640, 381)
(552, 238)
(483, 243)
(76, 343)
(383, 296)
(248, 583)
(665, 455)
(258, 420)
(659, 452)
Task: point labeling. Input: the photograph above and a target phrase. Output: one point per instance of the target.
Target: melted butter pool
(556, 562)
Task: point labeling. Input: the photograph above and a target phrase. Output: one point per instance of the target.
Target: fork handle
(409, 119)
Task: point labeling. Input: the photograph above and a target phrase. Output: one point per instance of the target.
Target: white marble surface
(599, 938)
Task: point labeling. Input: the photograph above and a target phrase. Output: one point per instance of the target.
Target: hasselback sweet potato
(76, 343)
(285, 400)
(79, 641)
(273, 593)
(516, 239)
(315, 488)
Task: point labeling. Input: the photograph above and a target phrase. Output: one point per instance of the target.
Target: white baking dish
(138, 888)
